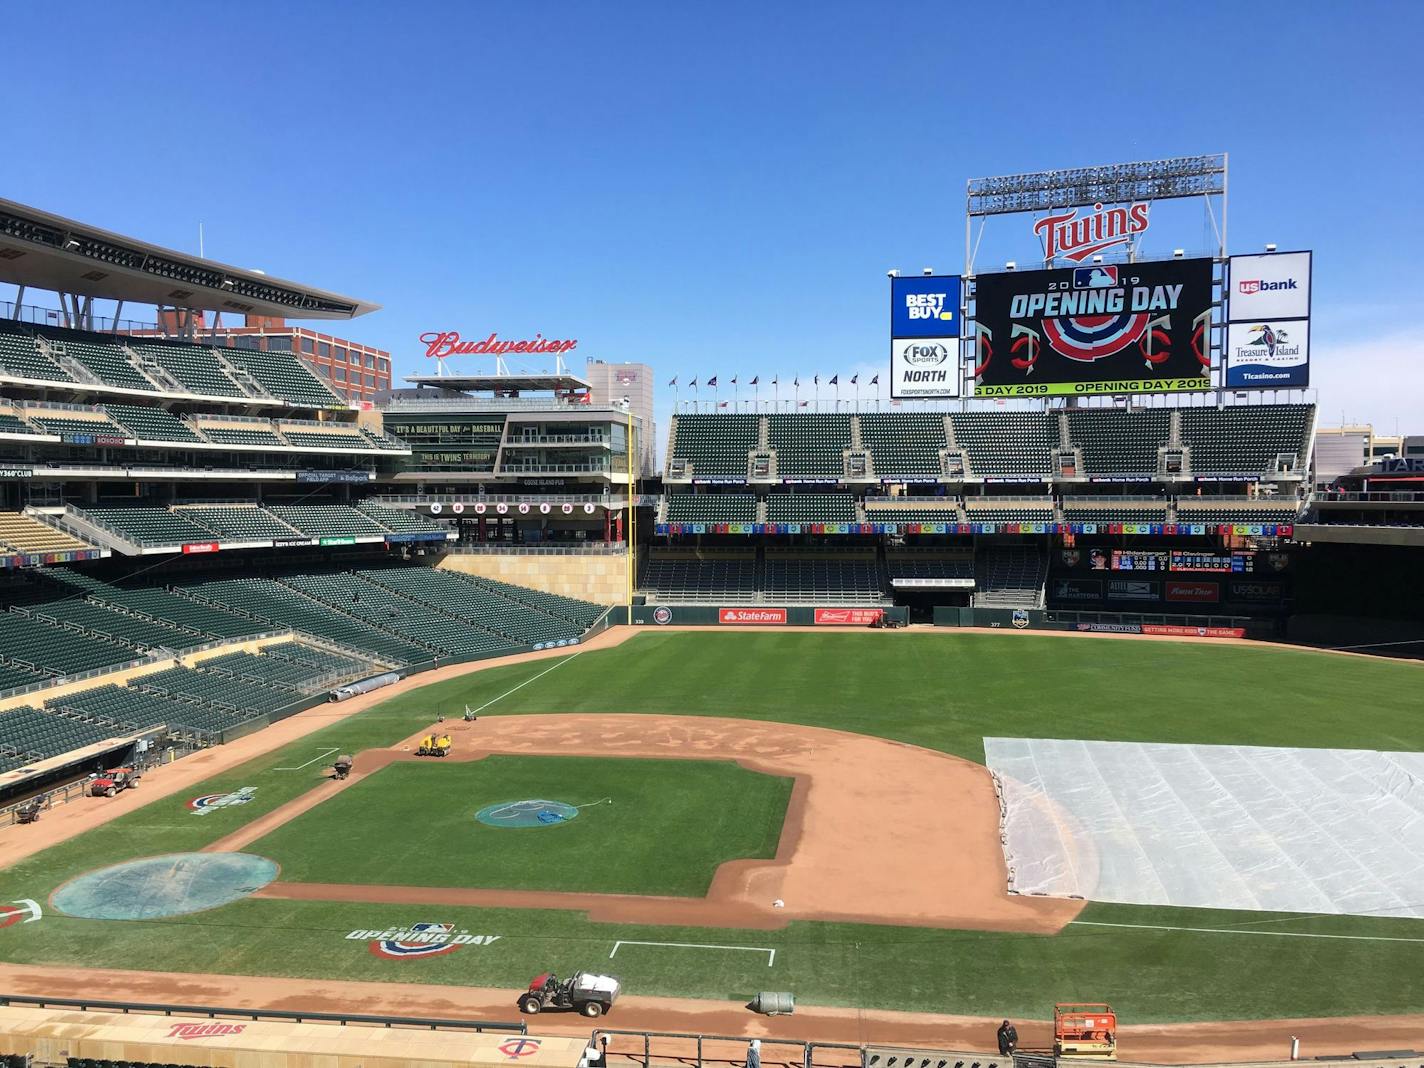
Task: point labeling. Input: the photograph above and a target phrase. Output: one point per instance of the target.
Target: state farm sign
(848, 617)
(755, 616)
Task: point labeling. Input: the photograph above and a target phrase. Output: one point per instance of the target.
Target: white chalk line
(558, 664)
(1257, 934)
(1375, 645)
(313, 760)
(770, 959)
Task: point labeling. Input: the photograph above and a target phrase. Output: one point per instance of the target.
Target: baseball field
(710, 814)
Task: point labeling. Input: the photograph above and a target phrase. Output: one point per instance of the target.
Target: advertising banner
(1132, 590)
(1068, 589)
(1268, 354)
(758, 616)
(1184, 591)
(201, 547)
(848, 617)
(1256, 592)
(925, 306)
(1275, 285)
(1180, 631)
(1104, 329)
(924, 367)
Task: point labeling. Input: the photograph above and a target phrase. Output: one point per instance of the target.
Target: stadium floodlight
(1178, 253)
(1116, 183)
(1097, 259)
(894, 272)
(1271, 247)
(1010, 265)
(927, 270)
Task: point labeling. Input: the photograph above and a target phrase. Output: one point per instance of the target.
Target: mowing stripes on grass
(770, 953)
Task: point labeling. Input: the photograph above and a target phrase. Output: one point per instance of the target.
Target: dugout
(75, 1039)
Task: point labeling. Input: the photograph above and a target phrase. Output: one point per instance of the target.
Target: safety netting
(1331, 831)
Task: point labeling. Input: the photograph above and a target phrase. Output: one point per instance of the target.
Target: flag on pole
(854, 379)
(875, 381)
(734, 380)
(673, 383)
(756, 379)
(712, 382)
(835, 380)
(693, 383)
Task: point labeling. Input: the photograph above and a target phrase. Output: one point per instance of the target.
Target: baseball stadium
(474, 718)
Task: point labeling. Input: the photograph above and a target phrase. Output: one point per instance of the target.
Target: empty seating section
(1007, 444)
(1105, 511)
(930, 565)
(811, 508)
(276, 672)
(898, 513)
(582, 612)
(276, 606)
(73, 421)
(810, 445)
(401, 520)
(241, 434)
(380, 441)
(148, 526)
(131, 710)
(324, 661)
(1274, 512)
(14, 676)
(196, 367)
(990, 510)
(454, 595)
(37, 735)
(326, 520)
(52, 649)
(715, 445)
(283, 375)
(20, 356)
(11, 423)
(171, 608)
(823, 578)
(124, 628)
(24, 534)
(151, 424)
(680, 576)
(105, 359)
(1119, 442)
(385, 608)
(903, 444)
(336, 437)
(238, 522)
(1009, 576)
(1245, 439)
(711, 508)
(246, 697)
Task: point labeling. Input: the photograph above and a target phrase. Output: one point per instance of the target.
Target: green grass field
(666, 826)
(943, 691)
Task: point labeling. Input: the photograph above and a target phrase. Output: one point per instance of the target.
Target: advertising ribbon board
(755, 616)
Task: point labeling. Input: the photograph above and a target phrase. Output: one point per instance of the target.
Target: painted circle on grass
(171, 885)
(535, 812)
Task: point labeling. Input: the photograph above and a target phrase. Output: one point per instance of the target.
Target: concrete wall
(600, 579)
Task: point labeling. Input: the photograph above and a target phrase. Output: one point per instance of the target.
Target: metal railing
(591, 548)
(500, 498)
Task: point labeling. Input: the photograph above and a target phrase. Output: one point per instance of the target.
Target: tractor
(434, 745)
(583, 992)
(109, 783)
(342, 765)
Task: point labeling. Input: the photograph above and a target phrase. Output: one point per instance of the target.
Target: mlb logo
(1097, 277)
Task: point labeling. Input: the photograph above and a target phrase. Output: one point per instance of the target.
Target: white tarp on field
(1236, 827)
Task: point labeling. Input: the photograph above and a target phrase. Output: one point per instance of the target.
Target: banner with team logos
(1103, 329)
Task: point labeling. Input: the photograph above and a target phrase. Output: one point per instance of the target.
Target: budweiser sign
(1076, 239)
(441, 343)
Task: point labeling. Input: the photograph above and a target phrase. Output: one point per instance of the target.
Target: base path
(1194, 1043)
(876, 831)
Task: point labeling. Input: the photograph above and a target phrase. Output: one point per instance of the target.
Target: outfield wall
(597, 578)
(1180, 626)
(702, 615)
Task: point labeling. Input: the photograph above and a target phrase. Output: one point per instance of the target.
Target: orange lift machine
(1085, 1031)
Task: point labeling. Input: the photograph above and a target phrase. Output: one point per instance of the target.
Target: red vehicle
(584, 992)
(112, 781)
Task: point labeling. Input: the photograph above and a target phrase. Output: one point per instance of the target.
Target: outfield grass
(943, 691)
(664, 827)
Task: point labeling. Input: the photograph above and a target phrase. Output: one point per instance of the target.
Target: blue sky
(716, 188)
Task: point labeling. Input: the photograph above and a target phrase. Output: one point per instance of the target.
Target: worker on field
(1008, 1039)
(754, 1053)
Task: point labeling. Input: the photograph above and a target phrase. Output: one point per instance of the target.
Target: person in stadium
(754, 1053)
(1008, 1039)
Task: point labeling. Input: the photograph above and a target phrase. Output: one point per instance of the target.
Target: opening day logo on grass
(201, 806)
(419, 940)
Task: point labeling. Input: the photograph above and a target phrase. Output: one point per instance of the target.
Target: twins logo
(201, 806)
(22, 911)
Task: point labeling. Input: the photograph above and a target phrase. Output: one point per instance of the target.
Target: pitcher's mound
(157, 887)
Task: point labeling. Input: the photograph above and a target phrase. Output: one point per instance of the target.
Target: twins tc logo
(201, 806)
(22, 911)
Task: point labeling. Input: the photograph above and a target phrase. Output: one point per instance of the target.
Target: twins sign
(924, 336)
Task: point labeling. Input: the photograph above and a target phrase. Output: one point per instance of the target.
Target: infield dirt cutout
(876, 831)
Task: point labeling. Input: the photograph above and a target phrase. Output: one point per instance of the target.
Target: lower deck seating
(824, 578)
(682, 576)
(1010, 576)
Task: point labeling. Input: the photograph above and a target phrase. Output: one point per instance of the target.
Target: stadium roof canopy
(558, 380)
(63, 256)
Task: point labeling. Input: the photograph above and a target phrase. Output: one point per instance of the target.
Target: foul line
(1375, 645)
(1257, 934)
(770, 953)
(560, 663)
(313, 760)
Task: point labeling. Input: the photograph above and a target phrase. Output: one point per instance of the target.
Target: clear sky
(716, 188)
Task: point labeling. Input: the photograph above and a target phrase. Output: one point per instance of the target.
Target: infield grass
(644, 826)
(942, 691)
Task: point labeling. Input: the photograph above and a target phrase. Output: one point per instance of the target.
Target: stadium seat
(715, 446)
(711, 508)
(809, 445)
